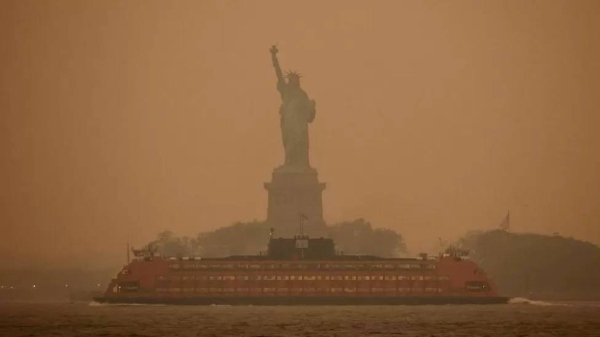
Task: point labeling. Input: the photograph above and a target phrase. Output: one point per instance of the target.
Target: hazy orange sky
(124, 118)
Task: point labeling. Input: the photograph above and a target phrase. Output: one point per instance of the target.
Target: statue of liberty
(296, 111)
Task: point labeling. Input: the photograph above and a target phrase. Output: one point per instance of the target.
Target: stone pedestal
(293, 193)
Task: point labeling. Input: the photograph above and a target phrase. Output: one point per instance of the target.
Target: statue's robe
(296, 111)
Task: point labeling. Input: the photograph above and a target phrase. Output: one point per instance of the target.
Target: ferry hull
(424, 300)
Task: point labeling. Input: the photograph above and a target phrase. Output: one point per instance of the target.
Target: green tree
(170, 245)
(251, 238)
(359, 237)
(532, 265)
(240, 238)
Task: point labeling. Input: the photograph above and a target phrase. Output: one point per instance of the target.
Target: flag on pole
(302, 219)
(505, 224)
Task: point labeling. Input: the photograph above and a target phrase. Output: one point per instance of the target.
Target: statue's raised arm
(296, 111)
(278, 72)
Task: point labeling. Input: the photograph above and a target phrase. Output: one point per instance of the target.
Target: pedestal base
(294, 193)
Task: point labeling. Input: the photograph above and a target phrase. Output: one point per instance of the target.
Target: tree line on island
(521, 265)
(537, 266)
(249, 238)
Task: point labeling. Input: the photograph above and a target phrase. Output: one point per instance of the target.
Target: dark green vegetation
(250, 238)
(537, 266)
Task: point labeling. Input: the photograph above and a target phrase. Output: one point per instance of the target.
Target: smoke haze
(120, 119)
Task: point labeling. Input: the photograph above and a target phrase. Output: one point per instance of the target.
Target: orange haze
(124, 118)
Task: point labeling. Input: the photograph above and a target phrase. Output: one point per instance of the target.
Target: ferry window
(186, 278)
(272, 266)
(476, 286)
(390, 278)
(388, 266)
(201, 278)
(326, 278)
(349, 266)
(254, 266)
(129, 286)
(415, 266)
(201, 266)
(229, 278)
(403, 277)
(376, 266)
(319, 278)
(430, 266)
(214, 278)
(242, 266)
(404, 266)
(226, 266)
(309, 278)
(324, 266)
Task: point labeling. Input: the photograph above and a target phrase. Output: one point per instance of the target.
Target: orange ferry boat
(302, 271)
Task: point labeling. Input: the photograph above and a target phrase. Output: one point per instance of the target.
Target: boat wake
(98, 304)
(523, 300)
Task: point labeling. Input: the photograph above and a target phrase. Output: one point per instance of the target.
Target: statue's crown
(292, 74)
